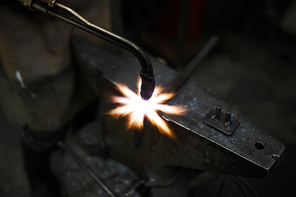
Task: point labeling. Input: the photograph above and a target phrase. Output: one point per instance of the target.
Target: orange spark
(135, 108)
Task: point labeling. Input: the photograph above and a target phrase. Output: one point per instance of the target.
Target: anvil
(247, 151)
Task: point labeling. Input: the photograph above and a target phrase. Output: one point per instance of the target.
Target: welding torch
(48, 7)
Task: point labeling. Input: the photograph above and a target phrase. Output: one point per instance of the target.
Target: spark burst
(135, 108)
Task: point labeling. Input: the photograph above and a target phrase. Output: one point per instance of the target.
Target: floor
(256, 77)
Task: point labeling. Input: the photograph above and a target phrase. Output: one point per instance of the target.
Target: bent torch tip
(147, 86)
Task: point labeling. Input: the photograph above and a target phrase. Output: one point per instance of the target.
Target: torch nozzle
(147, 86)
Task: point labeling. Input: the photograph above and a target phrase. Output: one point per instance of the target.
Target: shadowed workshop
(231, 65)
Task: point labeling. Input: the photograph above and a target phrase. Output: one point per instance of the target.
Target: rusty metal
(221, 121)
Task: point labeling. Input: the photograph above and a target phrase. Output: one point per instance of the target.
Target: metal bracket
(221, 121)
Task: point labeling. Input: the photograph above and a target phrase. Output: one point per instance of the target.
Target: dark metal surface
(221, 121)
(198, 146)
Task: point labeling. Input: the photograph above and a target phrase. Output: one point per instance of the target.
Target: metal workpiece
(249, 151)
(146, 72)
(221, 121)
(235, 154)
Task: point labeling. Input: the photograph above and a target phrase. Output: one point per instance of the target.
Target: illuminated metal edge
(198, 146)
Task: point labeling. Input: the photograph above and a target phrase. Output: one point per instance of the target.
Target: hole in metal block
(259, 145)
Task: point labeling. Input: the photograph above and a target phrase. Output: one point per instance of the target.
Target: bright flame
(135, 108)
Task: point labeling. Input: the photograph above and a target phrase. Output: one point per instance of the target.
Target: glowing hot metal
(135, 108)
